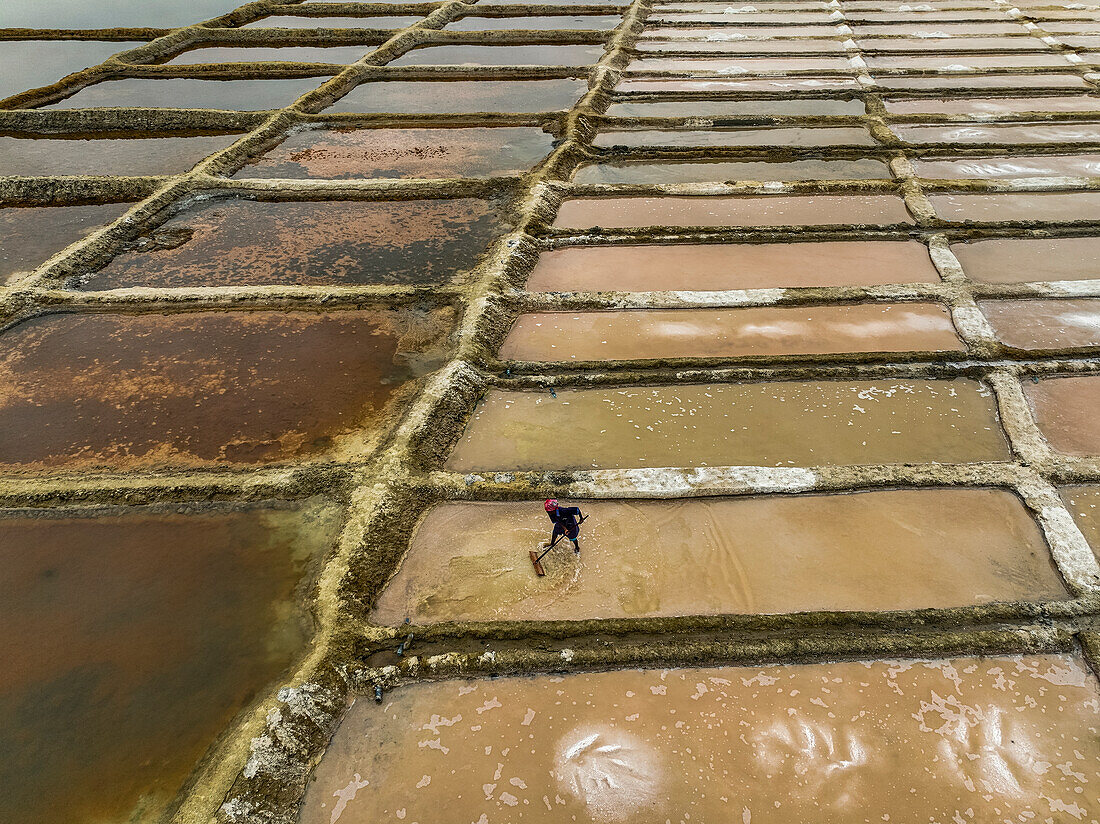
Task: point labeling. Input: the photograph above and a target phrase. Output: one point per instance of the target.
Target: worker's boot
(576, 548)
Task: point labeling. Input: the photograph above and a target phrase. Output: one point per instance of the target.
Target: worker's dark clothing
(566, 522)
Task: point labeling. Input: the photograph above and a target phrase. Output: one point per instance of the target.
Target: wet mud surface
(723, 333)
(767, 424)
(412, 97)
(232, 242)
(160, 155)
(131, 640)
(922, 740)
(204, 388)
(32, 235)
(731, 266)
(876, 550)
(401, 153)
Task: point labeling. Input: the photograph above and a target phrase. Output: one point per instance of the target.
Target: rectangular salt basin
(774, 210)
(929, 28)
(725, 333)
(966, 62)
(342, 154)
(953, 44)
(60, 14)
(1022, 260)
(289, 21)
(1065, 411)
(1044, 324)
(165, 154)
(756, 136)
(735, 108)
(471, 55)
(736, 65)
(131, 640)
(1001, 133)
(965, 80)
(736, 32)
(1083, 503)
(641, 171)
(829, 743)
(1010, 167)
(1032, 206)
(555, 22)
(899, 549)
(222, 242)
(731, 266)
(30, 64)
(203, 388)
(31, 235)
(256, 54)
(994, 105)
(821, 18)
(458, 96)
(715, 84)
(672, 43)
(191, 93)
(758, 424)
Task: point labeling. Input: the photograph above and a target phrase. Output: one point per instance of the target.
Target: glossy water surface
(427, 96)
(1020, 260)
(33, 234)
(162, 155)
(189, 93)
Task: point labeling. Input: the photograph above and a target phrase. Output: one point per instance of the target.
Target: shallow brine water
(644, 171)
(543, 23)
(820, 136)
(775, 424)
(737, 65)
(32, 235)
(1002, 133)
(343, 154)
(287, 21)
(831, 743)
(1045, 324)
(131, 640)
(994, 105)
(161, 155)
(726, 333)
(231, 242)
(1034, 206)
(256, 54)
(539, 55)
(1020, 260)
(442, 96)
(190, 389)
(777, 210)
(190, 93)
(29, 64)
(1010, 167)
(731, 266)
(969, 80)
(721, 108)
(1084, 504)
(1065, 410)
(872, 550)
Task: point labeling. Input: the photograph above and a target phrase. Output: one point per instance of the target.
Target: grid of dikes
(309, 305)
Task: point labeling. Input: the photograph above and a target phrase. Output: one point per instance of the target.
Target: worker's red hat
(551, 504)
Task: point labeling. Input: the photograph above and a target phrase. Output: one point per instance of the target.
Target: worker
(567, 523)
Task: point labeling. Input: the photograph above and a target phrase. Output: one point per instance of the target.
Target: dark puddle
(795, 136)
(125, 156)
(28, 64)
(702, 172)
(31, 235)
(1084, 504)
(1010, 168)
(734, 108)
(86, 14)
(1012, 260)
(191, 93)
(287, 21)
(342, 154)
(251, 54)
(1032, 206)
(190, 389)
(131, 640)
(539, 55)
(444, 96)
(1065, 411)
(1044, 324)
(228, 242)
(547, 23)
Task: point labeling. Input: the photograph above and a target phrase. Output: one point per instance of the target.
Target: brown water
(1044, 324)
(777, 210)
(29, 64)
(715, 84)
(32, 235)
(727, 333)
(1084, 502)
(1002, 133)
(994, 105)
(722, 108)
(131, 640)
(831, 743)
(544, 23)
(642, 171)
(966, 62)
(189, 93)
(226, 242)
(341, 154)
(903, 549)
(539, 55)
(1009, 168)
(253, 54)
(809, 136)
(803, 423)
(1065, 410)
(967, 80)
(731, 266)
(140, 156)
(738, 65)
(429, 96)
(1032, 206)
(205, 388)
(1012, 260)
(288, 21)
